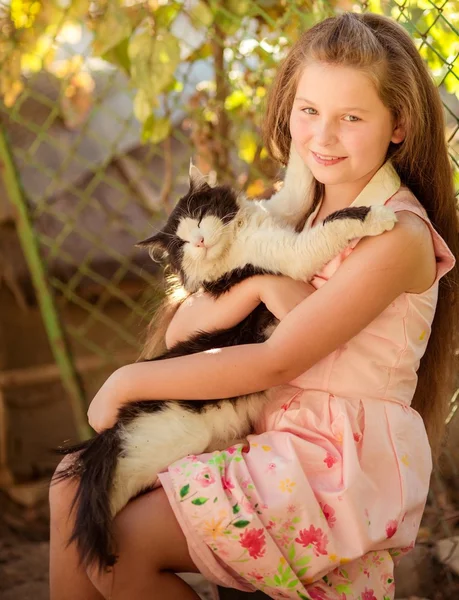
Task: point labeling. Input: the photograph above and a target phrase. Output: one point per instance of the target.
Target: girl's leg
(151, 548)
(68, 581)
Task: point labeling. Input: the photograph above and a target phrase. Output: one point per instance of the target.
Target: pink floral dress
(331, 489)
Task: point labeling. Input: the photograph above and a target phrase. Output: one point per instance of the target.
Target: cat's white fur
(262, 235)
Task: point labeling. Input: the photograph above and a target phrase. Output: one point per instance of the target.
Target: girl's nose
(326, 133)
(199, 243)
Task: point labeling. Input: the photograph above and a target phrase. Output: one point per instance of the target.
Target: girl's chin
(329, 178)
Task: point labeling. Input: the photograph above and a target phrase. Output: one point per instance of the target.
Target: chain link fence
(102, 104)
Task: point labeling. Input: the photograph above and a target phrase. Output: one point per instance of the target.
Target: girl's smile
(327, 161)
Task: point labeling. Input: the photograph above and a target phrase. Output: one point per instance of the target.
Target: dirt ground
(24, 551)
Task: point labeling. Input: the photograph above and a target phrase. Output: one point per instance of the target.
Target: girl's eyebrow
(345, 108)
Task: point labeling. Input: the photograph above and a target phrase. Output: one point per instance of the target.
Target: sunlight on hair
(176, 291)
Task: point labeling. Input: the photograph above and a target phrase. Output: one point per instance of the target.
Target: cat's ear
(156, 244)
(197, 179)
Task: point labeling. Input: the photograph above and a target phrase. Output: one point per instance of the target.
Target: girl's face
(339, 125)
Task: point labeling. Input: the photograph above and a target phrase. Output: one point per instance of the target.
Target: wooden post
(6, 477)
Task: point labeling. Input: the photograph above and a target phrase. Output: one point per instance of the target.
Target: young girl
(331, 489)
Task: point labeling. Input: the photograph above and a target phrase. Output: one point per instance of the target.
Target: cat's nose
(199, 243)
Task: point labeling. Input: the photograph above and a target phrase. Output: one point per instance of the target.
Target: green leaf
(238, 7)
(228, 22)
(236, 509)
(293, 583)
(302, 571)
(277, 579)
(236, 99)
(199, 501)
(291, 552)
(184, 490)
(247, 146)
(241, 524)
(142, 108)
(154, 59)
(303, 561)
(343, 588)
(112, 28)
(118, 55)
(165, 15)
(203, 51)
(201, 15)
(451, 82)
(77, 9)
(155, 129)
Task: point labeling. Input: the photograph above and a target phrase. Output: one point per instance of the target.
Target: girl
(331, 490)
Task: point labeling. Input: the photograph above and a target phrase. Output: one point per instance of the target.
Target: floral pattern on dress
(247, 534)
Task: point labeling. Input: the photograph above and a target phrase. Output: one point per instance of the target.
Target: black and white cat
(213, 239)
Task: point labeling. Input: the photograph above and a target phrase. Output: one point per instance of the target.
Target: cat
(213, 239)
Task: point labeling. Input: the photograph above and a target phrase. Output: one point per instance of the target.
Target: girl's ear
(197, 179)
(156, 244)
(398, 133)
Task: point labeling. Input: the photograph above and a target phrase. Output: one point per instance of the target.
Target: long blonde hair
(382, 49)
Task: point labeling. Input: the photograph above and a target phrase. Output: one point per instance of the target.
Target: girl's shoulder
(436, 259)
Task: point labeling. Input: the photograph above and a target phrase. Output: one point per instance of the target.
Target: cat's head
(198, 231)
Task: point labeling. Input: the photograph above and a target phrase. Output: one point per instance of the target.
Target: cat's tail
(93, 466)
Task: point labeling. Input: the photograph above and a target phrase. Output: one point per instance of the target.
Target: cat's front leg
(332, 236)
(302, 255)
(323, 242)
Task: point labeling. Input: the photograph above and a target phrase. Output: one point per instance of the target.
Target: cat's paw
(379, 220)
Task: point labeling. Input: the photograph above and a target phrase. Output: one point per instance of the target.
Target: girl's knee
(61, 491)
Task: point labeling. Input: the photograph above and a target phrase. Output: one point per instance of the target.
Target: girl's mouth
(327, 160)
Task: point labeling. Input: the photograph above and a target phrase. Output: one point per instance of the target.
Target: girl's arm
(377, 272)
(201, 312)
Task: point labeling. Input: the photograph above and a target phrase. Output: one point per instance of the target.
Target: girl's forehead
(333, 83)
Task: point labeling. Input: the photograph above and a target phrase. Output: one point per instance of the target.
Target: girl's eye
(309, 111)
(352, 118)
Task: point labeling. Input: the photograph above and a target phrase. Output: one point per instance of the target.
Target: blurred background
(102, 104)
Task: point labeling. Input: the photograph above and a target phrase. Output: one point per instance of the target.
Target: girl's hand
(103, 410)
(281, 294)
